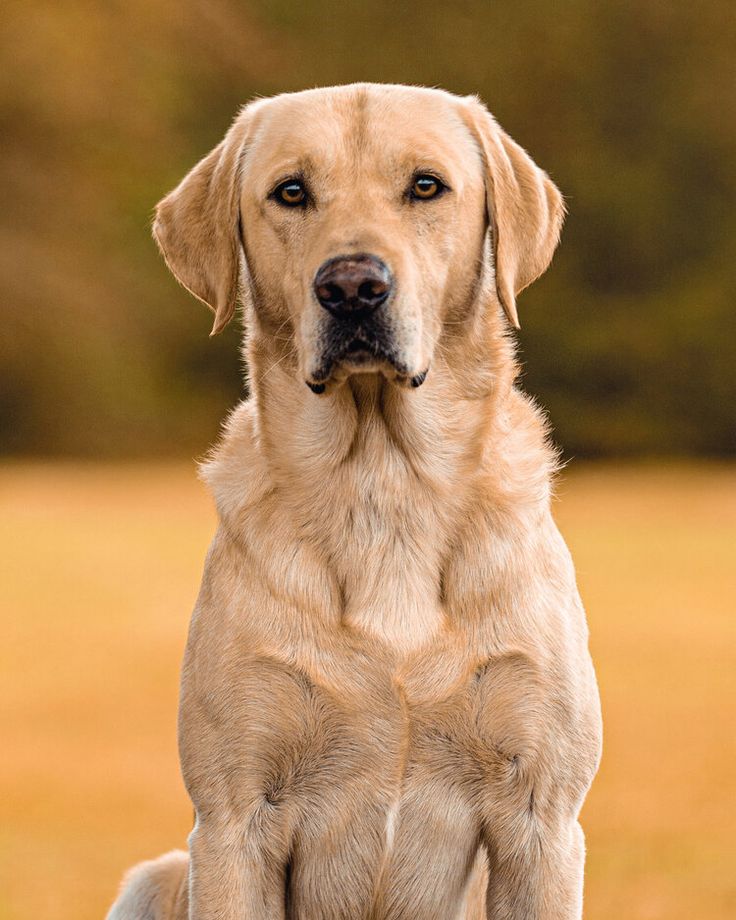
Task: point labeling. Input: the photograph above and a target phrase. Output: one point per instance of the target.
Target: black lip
(356, 351)
(357, 345)
(358, 341)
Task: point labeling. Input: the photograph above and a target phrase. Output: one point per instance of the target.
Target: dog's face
(364, 220)
(362, 212)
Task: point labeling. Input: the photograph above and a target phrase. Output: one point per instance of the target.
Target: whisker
(292, 351)
(445, 354)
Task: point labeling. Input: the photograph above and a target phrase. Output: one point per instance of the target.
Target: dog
(388, 707)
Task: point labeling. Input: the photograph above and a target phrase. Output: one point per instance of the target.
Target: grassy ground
(98, 571)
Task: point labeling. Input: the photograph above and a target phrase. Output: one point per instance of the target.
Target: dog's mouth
(358, 350)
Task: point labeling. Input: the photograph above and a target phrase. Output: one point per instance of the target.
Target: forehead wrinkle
(412, 134)
(403, 160)
(360, 134)
(359, 130)
(298, 126)
(349, 146)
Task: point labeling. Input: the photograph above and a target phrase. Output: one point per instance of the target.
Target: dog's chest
(387, 547)
(394, 599)
(392, 814)
(374, 765)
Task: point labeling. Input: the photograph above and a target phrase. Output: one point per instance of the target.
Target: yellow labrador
(388, 709)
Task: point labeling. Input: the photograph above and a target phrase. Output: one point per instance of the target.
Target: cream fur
(388, 709)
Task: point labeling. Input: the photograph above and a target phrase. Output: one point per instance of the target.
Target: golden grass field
(100, 567)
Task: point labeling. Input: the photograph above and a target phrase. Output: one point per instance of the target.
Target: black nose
(349, 286)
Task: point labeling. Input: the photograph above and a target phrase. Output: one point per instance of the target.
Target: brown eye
(425, 187)
(291, 193)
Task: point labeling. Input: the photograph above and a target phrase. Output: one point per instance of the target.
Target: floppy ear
(525, 209)
(197, 226)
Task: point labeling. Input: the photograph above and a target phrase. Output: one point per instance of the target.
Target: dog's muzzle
(354, 291)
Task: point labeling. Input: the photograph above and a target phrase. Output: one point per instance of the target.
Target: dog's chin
(359, 357)
(358, 360)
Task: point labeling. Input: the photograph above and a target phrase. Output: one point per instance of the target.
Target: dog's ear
(197, 226)
(525, 209)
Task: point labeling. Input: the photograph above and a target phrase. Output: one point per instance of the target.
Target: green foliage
(630, 105)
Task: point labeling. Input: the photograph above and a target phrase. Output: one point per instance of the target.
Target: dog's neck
(382, 479)
(435, 437)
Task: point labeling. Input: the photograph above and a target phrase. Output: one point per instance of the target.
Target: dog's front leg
(238, 871)
(536, 874)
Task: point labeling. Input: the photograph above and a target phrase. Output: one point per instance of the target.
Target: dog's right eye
(291, 193)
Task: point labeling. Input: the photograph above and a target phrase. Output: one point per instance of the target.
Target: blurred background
(109, 385)
(629, 104)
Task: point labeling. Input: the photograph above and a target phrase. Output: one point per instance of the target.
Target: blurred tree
(631, 106)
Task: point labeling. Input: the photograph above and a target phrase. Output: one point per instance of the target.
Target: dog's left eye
(425, 187)
(291, 193)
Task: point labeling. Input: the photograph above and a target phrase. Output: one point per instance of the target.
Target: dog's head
(363, 217)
